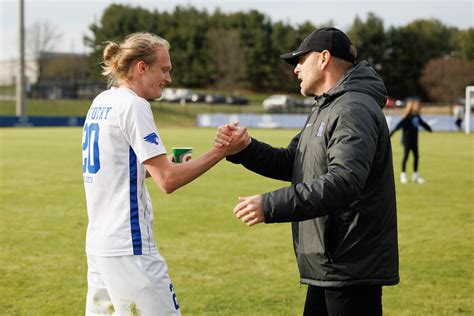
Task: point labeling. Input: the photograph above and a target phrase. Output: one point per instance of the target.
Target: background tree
(465, 44)
(186, 32)
(409, 48)
(255, 30)
(41, 37)
(283, 40)
(370, 39)
(227, 58)
(445, 78)
(242, 49)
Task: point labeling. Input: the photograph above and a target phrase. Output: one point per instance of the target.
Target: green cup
(182, 154)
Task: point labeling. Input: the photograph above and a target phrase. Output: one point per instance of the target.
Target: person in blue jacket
(410, 123)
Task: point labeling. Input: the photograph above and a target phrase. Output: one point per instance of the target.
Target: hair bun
(111, 50)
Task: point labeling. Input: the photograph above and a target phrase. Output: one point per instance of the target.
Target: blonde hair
(120, 58)
(413, 107)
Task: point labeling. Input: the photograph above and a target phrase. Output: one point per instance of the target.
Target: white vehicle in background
(278, 102)
(176, 95)
(305, 103)
(169, 95)
(184, 94)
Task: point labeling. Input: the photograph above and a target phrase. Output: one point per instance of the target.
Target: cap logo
(296, 53)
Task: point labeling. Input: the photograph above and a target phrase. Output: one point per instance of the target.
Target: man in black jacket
(341, 200)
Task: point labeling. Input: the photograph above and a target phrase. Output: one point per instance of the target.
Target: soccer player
(410, 124)
(120, 148)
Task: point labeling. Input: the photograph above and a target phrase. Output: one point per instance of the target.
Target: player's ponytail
(111, 51)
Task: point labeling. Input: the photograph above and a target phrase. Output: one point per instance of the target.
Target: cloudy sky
(72, 17)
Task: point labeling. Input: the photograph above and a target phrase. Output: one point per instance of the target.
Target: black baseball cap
(326, 38)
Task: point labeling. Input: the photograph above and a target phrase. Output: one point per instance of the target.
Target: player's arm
(425, 125)
(398, 126)
(170, 158)
(169, 176)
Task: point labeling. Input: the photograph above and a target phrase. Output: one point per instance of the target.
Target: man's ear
(325, 58)
(140, 66)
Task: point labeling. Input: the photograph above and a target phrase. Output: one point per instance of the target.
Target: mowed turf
(218, 265)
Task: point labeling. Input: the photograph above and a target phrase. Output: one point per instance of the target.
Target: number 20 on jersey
(90, 149)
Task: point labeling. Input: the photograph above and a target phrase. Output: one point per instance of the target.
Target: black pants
(344, 301)
(406, 151)
(458, 124)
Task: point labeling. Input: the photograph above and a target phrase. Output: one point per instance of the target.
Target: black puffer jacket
(342, 197)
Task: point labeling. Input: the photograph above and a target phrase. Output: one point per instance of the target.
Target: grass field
(218, 265)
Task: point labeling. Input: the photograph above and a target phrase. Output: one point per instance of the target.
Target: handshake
(231, 138)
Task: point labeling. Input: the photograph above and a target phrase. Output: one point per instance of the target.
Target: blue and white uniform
(119, 135)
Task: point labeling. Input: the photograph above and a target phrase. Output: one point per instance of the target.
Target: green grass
(7, 90)
(218, 265)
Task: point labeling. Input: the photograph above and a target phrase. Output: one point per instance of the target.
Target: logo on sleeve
(151, 138)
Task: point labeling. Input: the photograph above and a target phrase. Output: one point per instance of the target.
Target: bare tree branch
(41, 37)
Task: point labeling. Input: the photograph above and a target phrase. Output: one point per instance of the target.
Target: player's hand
(232, 138)
(224, 134)
(240, 140)
(171, 159)
(249, 210)
(173, 162)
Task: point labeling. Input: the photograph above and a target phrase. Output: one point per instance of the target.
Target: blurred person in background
(120, 148)
(410, 124)
(341, 200)
(458, 113)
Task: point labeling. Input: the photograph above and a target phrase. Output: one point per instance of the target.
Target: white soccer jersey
(119, 135)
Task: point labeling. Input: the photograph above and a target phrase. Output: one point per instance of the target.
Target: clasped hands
(232, 138)
(235, 138)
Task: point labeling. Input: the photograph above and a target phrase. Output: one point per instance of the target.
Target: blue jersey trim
(134, 211)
